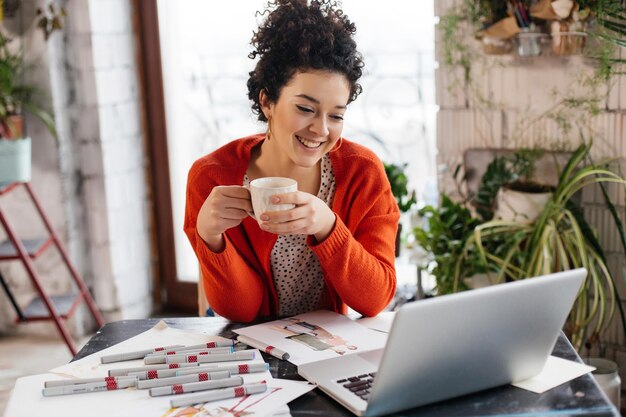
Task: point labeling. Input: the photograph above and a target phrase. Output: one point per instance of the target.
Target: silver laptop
(452, 345)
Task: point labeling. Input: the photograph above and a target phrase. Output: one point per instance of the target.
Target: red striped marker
(239, 368)
(128, 356)
(269, 349)
(195, 386)
(91, 387)
(184, 379)
(219, 394)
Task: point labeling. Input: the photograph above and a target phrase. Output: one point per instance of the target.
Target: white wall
(94, 181)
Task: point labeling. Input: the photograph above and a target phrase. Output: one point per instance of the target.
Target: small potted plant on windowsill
(399, 188)
(16, 97)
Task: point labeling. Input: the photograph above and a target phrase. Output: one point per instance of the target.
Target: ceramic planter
(15, 160)
(519, 206)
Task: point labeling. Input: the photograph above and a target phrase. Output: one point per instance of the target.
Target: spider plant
(559, 239)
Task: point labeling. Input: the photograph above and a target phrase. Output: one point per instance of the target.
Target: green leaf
(44, 116)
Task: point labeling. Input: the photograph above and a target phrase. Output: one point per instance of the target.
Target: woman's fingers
(233, 214)
(233, 197)
(283, 216)
(311, 216)
(297, 198)
(234, 191)
(224, 208)
(298, 227)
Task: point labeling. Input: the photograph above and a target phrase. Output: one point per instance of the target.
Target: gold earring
(337, 146)
(268, 134)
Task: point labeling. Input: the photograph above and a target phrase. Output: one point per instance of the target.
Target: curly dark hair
(296, 36)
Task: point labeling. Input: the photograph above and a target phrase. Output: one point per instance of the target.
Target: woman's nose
(320, 126)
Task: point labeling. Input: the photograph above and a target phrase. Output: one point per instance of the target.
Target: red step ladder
(44, 307)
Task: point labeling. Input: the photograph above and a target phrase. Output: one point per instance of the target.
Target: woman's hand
(224, 208)
(311, 216)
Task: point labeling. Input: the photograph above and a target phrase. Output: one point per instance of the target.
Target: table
(581, 396)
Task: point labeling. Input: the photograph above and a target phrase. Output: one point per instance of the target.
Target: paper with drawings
(555, 372)
(160, 335)
(279, 393)
(317, 335)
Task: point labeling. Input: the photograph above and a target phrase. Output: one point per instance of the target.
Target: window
(204, 49)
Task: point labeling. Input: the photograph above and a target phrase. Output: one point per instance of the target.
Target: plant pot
(477, 281)
(12, 127)
(520, 206)
(15, 160)
(606, 375)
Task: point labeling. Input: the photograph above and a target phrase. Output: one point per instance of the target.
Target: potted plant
(16, 96)
(399, 188)
(444, 235)
(558, 239)
(506, 188)
(509, 191)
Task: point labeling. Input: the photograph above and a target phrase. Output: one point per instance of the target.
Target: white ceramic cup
(262, 189)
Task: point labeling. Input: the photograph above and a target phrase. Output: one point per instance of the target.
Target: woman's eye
(337, 117)
(304, 109)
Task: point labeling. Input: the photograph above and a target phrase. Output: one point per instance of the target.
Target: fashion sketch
(314, 336)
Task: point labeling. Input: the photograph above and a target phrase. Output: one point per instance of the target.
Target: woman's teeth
(308, 143)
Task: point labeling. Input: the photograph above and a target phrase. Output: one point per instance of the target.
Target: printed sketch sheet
(315, 336)
(27, 399)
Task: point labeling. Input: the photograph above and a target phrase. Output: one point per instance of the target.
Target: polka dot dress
(296, 271)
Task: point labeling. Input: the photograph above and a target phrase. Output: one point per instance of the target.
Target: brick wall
(94, 180)
(519, 89)
(113, 161)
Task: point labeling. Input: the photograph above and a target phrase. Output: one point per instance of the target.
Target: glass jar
(530, 43)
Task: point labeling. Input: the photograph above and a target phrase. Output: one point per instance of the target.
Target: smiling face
(307, 119)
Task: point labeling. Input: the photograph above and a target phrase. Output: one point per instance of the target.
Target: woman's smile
(309, 144)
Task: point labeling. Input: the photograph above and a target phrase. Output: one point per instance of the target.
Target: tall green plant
(560, 239)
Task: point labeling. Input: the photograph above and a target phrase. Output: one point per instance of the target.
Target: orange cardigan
(357, 258)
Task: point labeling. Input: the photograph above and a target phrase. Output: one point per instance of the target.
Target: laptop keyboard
(359, 385)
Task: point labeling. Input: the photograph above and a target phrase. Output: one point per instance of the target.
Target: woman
(336, 247)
